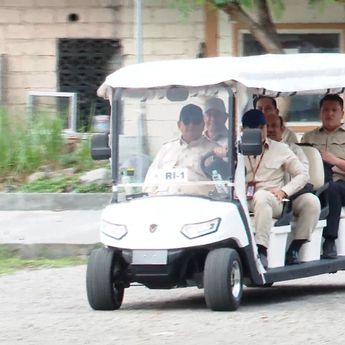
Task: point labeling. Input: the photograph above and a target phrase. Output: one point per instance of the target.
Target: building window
(83, 65)
(301, 108)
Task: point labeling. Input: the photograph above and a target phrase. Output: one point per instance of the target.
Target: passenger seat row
(281, 233)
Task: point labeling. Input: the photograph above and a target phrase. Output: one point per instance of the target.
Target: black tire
(223, 279)
(104, 292)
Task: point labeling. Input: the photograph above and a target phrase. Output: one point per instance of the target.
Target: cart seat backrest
(316, 172)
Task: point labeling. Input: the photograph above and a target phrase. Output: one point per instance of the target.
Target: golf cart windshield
(155, 158)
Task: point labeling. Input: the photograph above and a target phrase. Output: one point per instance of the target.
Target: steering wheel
(210, 162)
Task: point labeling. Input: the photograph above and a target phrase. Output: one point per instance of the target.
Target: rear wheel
(223, 279)
(104, 287)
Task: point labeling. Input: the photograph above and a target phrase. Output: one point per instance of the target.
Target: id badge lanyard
(251, 185)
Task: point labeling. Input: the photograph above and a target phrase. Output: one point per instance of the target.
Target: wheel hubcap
(235, 279)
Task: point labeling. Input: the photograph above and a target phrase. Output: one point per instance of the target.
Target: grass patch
(10, 263)
(62, 185)
(27, 143)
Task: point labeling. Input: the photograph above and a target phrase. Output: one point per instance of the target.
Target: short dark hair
(334, 98)
(256, 99)
(253, 119)
(191, 113)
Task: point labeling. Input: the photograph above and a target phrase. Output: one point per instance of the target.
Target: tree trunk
(263, 30)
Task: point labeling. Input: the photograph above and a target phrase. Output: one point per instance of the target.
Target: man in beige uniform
(215, 117)
(266, 186)
(185, 152)
(330, 140)
(306, 207)
(268, 105)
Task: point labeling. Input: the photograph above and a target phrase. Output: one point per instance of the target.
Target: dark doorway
(83, 65)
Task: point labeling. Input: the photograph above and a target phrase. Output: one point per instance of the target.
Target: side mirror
(100, 149)
(250, 144)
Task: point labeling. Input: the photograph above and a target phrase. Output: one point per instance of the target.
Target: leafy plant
(28, 144)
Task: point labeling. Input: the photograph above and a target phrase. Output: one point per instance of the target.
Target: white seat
(311, 250)
(342, 214)
(316, 172)
(340, 242)
(277, 244)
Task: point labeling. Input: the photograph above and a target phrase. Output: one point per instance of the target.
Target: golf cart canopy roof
(272, 74)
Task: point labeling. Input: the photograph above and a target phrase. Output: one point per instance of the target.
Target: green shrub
(26, 144)
(80, 158)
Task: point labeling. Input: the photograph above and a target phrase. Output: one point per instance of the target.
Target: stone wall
(29, 30)
(166, 33)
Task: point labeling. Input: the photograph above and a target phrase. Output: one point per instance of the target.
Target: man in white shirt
(265, 179)
(184, 152)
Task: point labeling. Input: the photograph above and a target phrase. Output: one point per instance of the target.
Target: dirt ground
(49, 306)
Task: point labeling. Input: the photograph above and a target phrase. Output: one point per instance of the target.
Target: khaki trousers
(306, 210)
(265, 207)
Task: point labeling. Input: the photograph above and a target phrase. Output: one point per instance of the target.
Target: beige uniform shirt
(289, 136)
(179, 154)
(333, 142)
(276, 161)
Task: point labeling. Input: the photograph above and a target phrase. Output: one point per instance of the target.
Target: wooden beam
(211, 31)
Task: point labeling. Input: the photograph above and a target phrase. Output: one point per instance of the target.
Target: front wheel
(223, 279)
(104, 288)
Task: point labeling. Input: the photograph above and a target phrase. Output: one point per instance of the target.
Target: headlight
(116, 231)
(200, 229)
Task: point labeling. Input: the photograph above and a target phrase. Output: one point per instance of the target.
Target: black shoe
(329, 251)
(262, 251)
(291, 257)
(263, 259)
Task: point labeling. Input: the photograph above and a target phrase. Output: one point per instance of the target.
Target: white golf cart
(167, 240)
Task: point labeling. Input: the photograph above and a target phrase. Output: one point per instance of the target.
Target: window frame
(293, 28)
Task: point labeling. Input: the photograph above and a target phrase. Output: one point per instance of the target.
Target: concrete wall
(29, 30)
(166, 33)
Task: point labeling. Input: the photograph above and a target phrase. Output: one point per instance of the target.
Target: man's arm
(299, 175)
(333, 160)
(301, 156)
